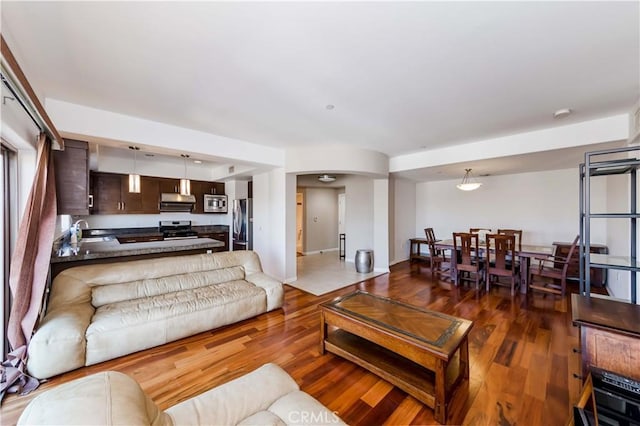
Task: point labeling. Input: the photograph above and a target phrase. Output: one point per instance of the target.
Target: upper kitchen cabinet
(168, 185)
(199, 188)
(72, 177)
(111, 194)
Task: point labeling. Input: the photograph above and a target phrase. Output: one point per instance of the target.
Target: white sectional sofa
(100, 312)
(266, 396)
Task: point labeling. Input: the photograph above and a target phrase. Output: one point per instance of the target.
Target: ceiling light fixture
(326, 178)
(468, 182)
(562, 113)
(185, 184)
(134, 178)
(197, 161)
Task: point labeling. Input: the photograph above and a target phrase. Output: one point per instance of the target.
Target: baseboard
(307, 253)
(395, 262)
(381, 270)
(291, 279)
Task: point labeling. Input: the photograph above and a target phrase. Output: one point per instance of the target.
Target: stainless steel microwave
(215, 203)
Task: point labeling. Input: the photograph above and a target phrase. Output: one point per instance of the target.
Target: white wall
(336, 159)
(274, 222)
(618, 239)
(100, 221)
(358, 215)
(543, 204)
(321, 220)
(381, 224)
(402, 218)
(82, 121)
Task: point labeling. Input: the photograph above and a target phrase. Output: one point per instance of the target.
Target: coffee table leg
(323, 332)
(464, 358)
(440, 410)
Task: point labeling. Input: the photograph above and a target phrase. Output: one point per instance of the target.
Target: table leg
(440, 409)
(464, 358)
(323, 332)
(525, 264)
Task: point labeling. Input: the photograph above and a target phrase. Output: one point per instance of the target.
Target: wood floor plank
(521, 363)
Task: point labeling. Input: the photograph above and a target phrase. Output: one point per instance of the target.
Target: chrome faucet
(77, 224)
(78, 230)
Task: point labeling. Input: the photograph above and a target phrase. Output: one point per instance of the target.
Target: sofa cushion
(262, 418)
(106, 294)
(232, 402)
(60, 343)
(299, 408)
(129, 326)
(109, 398)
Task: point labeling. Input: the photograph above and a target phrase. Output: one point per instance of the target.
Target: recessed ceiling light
(561, 113)
(197, 161)
(330, 107)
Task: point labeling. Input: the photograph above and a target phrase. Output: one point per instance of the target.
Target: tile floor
(323, 273)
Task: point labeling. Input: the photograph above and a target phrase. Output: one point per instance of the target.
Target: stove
(176, 230)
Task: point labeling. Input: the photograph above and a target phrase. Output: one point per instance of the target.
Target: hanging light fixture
(326, 178)
(468, 182)
(185, 184)
(134, 178)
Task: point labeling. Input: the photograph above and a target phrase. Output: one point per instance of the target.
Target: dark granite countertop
(211, 228)
(103, 243)
(89, 248)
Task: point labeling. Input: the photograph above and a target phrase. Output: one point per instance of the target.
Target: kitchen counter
(210, 228)
(112, 248)
(102, 246)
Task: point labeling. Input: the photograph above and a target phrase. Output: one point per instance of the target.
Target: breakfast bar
(108, 249)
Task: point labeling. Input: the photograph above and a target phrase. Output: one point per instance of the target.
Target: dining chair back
(476, 230)
(438, 262)
(466, 257)
(546, 275)
(499, 254)
(517, 233)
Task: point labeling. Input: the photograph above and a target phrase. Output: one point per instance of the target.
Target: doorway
(299, 222)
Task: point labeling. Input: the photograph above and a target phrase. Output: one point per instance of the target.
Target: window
(8, 227)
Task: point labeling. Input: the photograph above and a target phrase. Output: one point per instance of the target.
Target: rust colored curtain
(30, 261)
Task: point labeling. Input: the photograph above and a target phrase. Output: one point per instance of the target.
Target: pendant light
(468, 182)
(134, 178)
(185, 184)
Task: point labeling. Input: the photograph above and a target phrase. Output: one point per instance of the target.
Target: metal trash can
(364, 261)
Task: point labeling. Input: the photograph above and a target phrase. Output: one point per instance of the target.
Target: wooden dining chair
(499, 254)
(517, 233)
(550, 275)
(466, 257)
(476, 230)
(438, 261)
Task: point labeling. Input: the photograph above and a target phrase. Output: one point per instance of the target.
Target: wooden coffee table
(423, 352)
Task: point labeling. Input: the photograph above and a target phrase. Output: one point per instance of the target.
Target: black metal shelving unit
(608, 163)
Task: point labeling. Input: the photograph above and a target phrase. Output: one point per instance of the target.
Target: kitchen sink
(97, 239)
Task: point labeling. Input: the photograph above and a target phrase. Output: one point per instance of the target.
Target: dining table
(526, 254)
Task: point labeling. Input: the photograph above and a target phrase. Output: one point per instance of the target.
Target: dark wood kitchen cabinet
(220, 236)
(199, 188)
(168, 185)
(72, 178)
(111, 194)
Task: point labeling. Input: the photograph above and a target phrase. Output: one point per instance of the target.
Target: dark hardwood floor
(520, 349)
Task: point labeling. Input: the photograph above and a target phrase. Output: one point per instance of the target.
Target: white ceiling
(403, 76)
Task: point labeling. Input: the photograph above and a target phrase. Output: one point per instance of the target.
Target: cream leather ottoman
(266, 396)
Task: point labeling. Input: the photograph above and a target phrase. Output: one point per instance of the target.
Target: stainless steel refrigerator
(242, 224)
